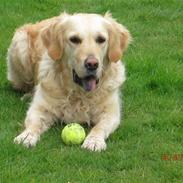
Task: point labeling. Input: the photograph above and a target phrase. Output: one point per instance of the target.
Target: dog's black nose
(91, 63)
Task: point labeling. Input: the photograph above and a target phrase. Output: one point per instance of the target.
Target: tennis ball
(73, 133)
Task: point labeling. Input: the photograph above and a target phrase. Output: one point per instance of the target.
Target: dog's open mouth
(89, 83)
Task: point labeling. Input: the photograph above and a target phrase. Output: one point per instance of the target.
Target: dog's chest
(75, 108)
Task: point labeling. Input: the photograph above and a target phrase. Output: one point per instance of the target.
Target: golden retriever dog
(72, 63)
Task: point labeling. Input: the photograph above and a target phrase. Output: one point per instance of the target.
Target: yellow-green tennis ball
(73, 133)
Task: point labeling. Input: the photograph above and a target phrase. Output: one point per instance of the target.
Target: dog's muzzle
(89, 82)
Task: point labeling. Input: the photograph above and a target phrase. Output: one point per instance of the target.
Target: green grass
(152, 123)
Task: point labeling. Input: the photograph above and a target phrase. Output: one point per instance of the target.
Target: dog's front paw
(27, 138)
(94, 143)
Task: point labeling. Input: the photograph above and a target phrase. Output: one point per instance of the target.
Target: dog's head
(88, 42)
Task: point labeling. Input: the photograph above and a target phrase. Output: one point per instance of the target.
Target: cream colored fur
(41, 57)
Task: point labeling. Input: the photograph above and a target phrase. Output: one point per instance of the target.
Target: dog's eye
(75, 40)
(100, 39)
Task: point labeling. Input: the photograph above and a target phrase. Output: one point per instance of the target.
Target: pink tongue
(90, 85)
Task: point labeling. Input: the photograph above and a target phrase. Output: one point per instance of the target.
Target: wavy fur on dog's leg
(38, 120)
(108, 119)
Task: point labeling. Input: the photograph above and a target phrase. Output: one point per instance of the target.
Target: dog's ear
(119, 38)
(53, 40)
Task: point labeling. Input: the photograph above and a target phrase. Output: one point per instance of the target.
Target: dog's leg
(20, 69)
(38, 120)
(27, 96)
(108, 121)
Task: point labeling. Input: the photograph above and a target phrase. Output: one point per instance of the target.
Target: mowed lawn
(148, 146)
